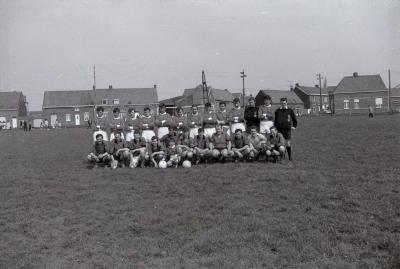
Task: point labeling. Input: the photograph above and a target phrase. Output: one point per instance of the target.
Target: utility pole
(390, 96)
(94, 89)
(243, 75)
(94, 77)
(320, 92)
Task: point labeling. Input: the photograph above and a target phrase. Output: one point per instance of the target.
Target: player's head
(194, 109)
(218, 129)
(200, 132)
(238, 133)
(100, 110)
(136, 135)
(116, 112)
(283, 101)
(99, 138)
(273, 130)
(171, 143)
(253, 130)
(117, 135)
(222, 106)
(131, 112)
(236, 102)
(146, 111)
(154, 140)
(179, 111)
(252, 102)
(267, 100)
(162, 108)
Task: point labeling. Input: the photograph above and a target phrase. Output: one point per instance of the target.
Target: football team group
(160, 141)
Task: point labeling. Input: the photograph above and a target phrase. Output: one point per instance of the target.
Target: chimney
(110, 87)
(355, 74)
(316, 86)
(155, 86)
(291, 88)
(297, 84)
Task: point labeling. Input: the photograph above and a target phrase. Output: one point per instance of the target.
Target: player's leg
(215, 153)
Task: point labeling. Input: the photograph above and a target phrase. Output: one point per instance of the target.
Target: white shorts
(193, 132)
(239, 125)
(105, 136)
(130, 136)
(148, 134)
(265, 125)
(209, 131)
(162, 131)
(112, 136)
(226, 129)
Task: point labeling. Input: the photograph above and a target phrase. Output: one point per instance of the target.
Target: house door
(77, 119)
(53, 119)
(14, 123)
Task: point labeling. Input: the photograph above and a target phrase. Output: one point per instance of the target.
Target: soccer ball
(187, 164)
(114, 164)
(162, 164)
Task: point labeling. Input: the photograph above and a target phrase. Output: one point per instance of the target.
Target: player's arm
(152, 157)
(294, 119)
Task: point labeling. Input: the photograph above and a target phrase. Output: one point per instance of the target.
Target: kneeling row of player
(174, 148)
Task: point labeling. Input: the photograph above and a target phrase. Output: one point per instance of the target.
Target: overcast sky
(53, 44)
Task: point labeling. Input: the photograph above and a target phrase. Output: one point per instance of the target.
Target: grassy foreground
(337, 205)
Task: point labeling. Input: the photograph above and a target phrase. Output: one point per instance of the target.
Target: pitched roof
(367, 83)
(395, 92)
(128, 95)
(10, 100)
(313, 90)
(217, 94)
(88, 98)
(67, 98)
(276, 95)
(183, 100)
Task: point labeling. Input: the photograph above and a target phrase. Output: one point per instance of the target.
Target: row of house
(352, 95)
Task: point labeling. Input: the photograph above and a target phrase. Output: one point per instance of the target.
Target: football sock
(289, 152)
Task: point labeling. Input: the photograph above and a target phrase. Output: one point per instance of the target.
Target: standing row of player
(181, 133)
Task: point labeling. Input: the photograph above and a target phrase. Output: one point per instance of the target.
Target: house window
(116, 102)
(86, 116)
(378, 102)
(76, 109)
(104, 101)
(356, 103)
(67, 117)
(314, 109)
(325, 99)
(314, 98)
(346, 104)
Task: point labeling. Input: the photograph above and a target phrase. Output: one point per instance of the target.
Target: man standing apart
(251, 115)
(285, 121)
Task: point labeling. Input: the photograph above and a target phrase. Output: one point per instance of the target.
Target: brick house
(354, 93)
(293, 100)
(311, 97)
(76, 108)
(195, 96)
(395, 98)
(13, 107)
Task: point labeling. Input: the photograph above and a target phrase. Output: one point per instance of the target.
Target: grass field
(337, 205)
